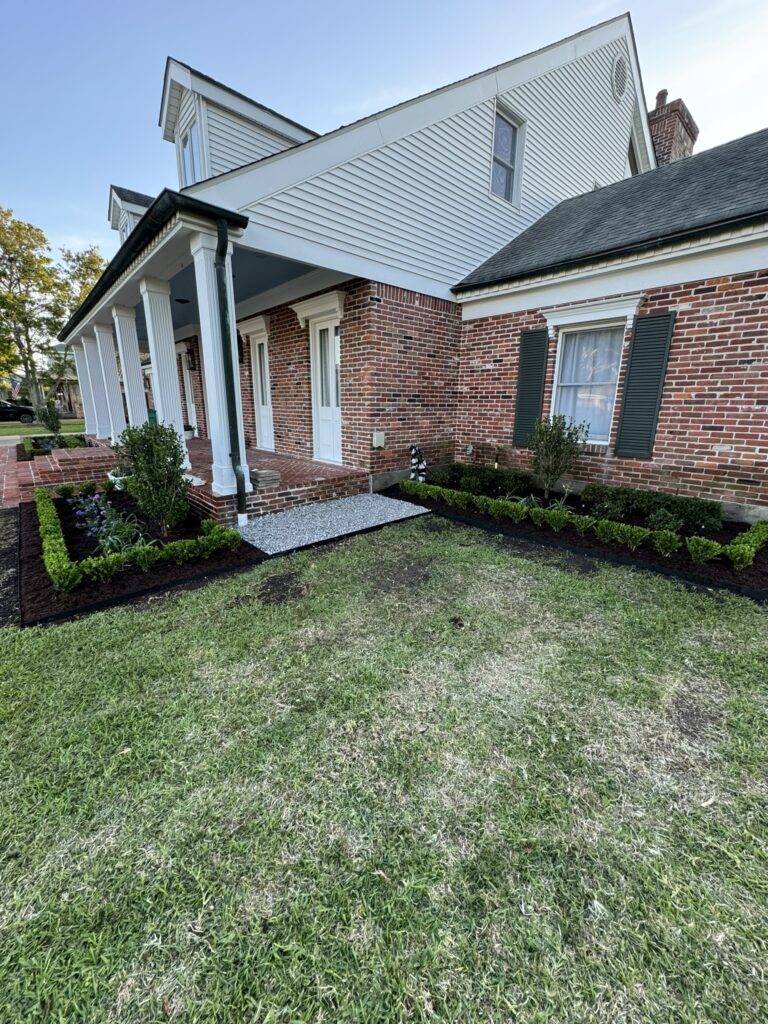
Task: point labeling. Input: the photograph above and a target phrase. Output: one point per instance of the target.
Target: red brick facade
(712, 434)
(673, 130)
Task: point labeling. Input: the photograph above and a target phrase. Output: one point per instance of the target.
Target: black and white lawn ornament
(418, 464)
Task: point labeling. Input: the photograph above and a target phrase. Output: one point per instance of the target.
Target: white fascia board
(176, 79)
(245, 186)
(641, 101)
(711, 258)
(302, 250)
(619, 308)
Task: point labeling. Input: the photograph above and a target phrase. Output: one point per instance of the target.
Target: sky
(80, 81)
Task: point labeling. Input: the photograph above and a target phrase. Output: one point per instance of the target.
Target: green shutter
(531, 372)
(642, 388)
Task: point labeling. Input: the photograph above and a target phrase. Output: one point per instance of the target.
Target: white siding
(233, 141)
(186, 112)
(423, 204)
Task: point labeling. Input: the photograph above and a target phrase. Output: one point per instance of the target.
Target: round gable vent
(619, 77)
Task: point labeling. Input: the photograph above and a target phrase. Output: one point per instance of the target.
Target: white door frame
(321, 311)
(326, 427)
(256, 330)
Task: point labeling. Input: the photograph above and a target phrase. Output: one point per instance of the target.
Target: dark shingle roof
(719, 187)
(129, 196)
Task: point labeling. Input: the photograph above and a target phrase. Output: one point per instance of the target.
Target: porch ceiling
(253, 272)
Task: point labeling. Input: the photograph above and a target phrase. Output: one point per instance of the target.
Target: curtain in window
(586, 386)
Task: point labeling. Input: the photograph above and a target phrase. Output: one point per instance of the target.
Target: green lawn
(13, 429)
(415, 777)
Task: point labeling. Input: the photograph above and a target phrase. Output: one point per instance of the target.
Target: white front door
(326, 397)
(262, 394)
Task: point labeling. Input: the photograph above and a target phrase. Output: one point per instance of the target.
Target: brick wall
(399, 373)
(712, 435)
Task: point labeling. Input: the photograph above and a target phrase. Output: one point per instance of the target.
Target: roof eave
(645, 246)
(167, 205)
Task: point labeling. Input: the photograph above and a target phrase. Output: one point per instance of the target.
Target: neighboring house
(442, 274)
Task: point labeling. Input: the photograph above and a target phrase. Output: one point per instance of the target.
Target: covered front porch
(178, 328)
(278, 482)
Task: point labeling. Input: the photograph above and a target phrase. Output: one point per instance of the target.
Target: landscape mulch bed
(751, 582)
(41, 603)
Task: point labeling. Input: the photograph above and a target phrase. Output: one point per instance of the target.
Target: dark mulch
(41, 603)
(9, 566)
(750, 582)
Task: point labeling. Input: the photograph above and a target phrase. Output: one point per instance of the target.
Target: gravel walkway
(325, 520)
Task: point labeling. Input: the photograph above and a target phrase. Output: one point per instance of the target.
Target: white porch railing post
(96, 381)
(106, 345)
(203, 247)
(124, 319)
(156, 297)
(89, 411)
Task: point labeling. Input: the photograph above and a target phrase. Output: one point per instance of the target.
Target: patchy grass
(16, 429)
(419, 776)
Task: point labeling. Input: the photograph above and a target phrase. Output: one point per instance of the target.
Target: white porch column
(156, 296)
(203, 248)
(96, 381)
(106, 345)
(130, 363)
(89, 412)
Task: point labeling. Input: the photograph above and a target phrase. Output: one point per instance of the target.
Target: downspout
(220, 265)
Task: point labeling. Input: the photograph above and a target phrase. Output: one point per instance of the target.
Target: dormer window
(507, 132)
(190, 155)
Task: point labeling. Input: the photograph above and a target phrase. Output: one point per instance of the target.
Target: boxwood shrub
(485, 480)
(696, 514)
(65, 574)
(741, 551)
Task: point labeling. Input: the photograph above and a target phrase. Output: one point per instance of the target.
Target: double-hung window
(587, 375)
(504, 153)
(190, 158)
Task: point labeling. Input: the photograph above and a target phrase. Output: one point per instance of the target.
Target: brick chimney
(673, 130)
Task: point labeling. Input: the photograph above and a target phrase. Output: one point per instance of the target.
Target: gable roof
(178, 76)
(717, 188)
(373, 130)
(129, 196)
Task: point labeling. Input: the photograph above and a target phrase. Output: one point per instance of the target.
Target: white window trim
(591, 316)
(329, 306)
(501, 108)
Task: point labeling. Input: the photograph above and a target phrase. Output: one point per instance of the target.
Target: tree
(555, 445)
(37, 295)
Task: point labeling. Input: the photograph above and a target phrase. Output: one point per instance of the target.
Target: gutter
(162, 210)
(645, 246)
(225, 326)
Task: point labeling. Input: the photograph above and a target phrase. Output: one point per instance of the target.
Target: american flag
(15, 389)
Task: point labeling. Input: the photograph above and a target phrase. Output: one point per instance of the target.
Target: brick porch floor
(300, 481)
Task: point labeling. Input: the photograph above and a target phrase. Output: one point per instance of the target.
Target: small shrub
(607, 531)
(154, 453)
(557, 518)
(623, 502)
(48, 416)
(665, 542)
(702, 549)
(555, 446)
(65, 490)
(740, 555)
(516, 511)
(632, 536)
(663, 519)
(538, 516)
(582, 524)
(88, 488)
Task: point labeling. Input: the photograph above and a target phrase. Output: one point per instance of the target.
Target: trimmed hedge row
(32, 447)
(65, 574)
(621, 502)
(741, 551)
(493, 483)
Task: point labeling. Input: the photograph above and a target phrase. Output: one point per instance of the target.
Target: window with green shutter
(646, 367)
(531, 373)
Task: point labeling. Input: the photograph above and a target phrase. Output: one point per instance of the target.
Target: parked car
(16, 411)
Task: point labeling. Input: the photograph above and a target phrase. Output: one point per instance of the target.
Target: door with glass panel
(587, 375)
(262, 395)
(326, 397)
